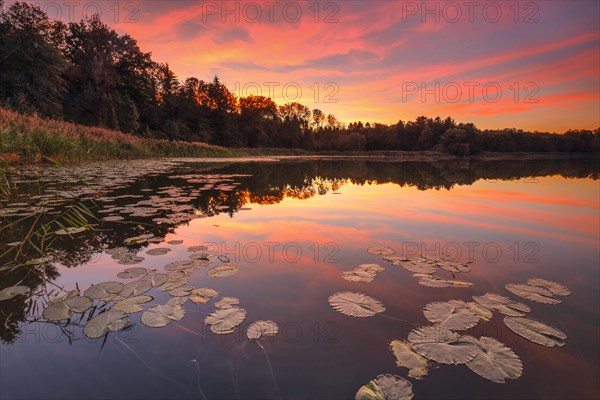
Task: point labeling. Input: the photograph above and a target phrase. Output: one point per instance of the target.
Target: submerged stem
(270, 368)
(398, 319)
(145, 363)
(198, 382)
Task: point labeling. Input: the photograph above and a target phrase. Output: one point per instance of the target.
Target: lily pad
(134, 272)
(13, 291)
(442, 345)
(534, 293)
(227, 302)
(260, 329)
(181, 291)
(381, 250)
(130, 260)
(555, 287)
(64, 308)
(407, 357)
(197, 248)
(355, 304)
(386, 387)
(135, 288)
(437, 282)
(363, 273)
(108, 321)
(104, 290)
(156, 279)
(177, 301)
(113, 218)
(419, 267)
(202, 295)
(69, 231)
(174, 284)
(132, 304)
(223, 270)
(452, 314)
(495, 361)
(201, 255)
(502, 304)
(159, 251)
(453, 267)
(225, 320)
(482, 313)
(536, 331)
(174, 242)
(160, 315)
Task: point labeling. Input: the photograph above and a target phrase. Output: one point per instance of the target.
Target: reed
(32, 139)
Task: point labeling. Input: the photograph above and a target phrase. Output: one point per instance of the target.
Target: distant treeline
(87, 73)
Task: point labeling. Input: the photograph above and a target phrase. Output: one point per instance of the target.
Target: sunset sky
(375, 57)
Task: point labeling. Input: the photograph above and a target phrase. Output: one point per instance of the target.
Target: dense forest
(87, 73)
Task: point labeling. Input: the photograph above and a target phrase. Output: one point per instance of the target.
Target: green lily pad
(260, 329)
(407, 357)
(132, 304)
(534, 293)
(104, 291)
(108, 321)
(13, 291)
(536, 331)
(69, 231)
(65, 307)
(386, 387)
(355, 304)
(495, 361)
(554, 287)
(202, 295)
(502, 304)
(442, 345)
(223, 270)
(227, 302)
(452, 314)
(160, 315)
(225, 320)
(134, 272)
(159, 251)
(381, 250)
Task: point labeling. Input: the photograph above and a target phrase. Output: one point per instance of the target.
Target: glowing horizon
(380, 58)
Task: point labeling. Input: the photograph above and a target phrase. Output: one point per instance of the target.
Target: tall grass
(32, 139)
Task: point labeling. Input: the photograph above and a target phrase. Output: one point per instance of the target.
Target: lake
(278, 236)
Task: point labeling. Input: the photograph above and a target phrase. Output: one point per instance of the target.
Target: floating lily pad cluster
(115, 300)
(226, 317)
(427, 270)
(440, 342)
(363, 273)
(539, 290)
(62, 185)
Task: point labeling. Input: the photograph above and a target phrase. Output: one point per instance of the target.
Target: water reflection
(380, 203)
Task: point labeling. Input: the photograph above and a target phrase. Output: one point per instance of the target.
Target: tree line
(87, 73)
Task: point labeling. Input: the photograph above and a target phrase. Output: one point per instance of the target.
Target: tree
(318, 117)
(111, 82)
(258, 121)
(31, 63)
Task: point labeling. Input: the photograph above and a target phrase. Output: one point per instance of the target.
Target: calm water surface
(293, 227)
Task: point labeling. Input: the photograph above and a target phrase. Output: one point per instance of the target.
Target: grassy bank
(32, 139)
(27, 139)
